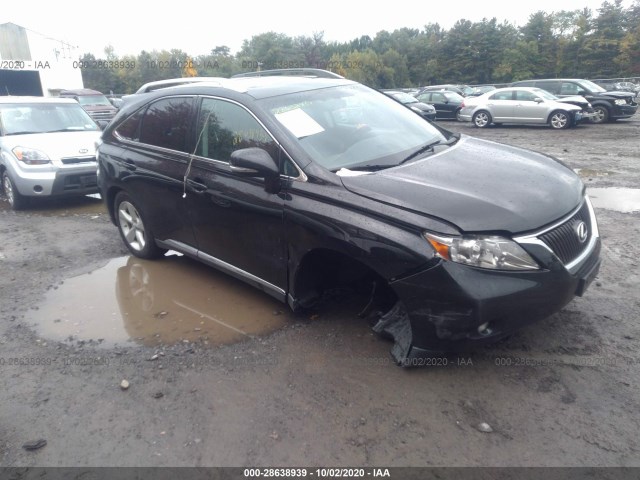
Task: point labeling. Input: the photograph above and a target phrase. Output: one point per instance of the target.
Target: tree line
(576, 43)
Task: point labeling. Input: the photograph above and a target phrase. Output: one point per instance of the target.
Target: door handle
(197, 186)
(129, 164)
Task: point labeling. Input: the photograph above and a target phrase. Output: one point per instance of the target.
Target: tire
(602, 114)
(15, 198)
(560, 120)
(458, 115)
(481, 119)
(134, 230)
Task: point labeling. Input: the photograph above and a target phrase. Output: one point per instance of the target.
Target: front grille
(74, 182)
(563, 240)
(74, 160)
(102, 115)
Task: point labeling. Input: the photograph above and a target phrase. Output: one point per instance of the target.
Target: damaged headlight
(497, 253)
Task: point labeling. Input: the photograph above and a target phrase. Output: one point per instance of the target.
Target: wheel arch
(324, 268)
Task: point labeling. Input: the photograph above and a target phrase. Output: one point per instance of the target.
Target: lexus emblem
(582, 231)
(83, 150)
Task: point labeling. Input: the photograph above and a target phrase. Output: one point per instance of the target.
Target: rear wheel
(560, 120)
(134, 229)
(458, 115)
(482, 119)
(11, 193)
(601, 114)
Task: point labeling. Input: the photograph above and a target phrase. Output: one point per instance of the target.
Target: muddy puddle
(61, 207)
(625, 200)
(162, 302)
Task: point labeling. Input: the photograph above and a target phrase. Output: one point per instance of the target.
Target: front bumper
(624, 111)
(451, 307)
(61, 182)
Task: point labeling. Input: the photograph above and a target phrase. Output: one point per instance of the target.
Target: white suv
(47, 147)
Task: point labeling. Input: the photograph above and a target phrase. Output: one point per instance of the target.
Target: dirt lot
(315, 389)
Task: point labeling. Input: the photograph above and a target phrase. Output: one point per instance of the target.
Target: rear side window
(166, 123)
(508, 95)
(224, 127)
(130, 128)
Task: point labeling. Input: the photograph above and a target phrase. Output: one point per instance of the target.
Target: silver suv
(47, 147)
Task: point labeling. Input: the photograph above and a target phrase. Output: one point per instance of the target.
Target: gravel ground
(319, 389)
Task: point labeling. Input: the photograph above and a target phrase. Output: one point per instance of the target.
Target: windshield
(588, 85)
(24, 118)
(351, 126)
(94, 100)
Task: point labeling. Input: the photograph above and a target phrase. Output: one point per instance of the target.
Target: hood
(56, 145)
(422, 106)
(478, 186)
(573, 99)
(625, 95)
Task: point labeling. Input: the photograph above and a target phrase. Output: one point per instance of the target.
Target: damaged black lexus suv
(296, 184)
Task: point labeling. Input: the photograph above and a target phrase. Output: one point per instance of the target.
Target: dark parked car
(447, 104)
(423, 109)
(462, 90)
(481, 90)
(607, 106)
(301, 185)
(94, 103)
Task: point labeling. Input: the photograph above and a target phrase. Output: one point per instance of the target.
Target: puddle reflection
(625, 200)
(157, 303)
(61, 206)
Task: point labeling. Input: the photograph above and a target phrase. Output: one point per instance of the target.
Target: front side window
(569, 88)
(525, 96)
(224, 127)
(166, 123)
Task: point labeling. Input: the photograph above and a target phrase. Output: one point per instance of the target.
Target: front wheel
(11, 193)
(601, 114)
(481, 119)
(134, 230)
(560, 120)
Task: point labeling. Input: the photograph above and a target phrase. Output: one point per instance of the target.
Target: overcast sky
(198, 26)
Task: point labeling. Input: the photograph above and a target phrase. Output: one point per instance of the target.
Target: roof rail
(309, 72)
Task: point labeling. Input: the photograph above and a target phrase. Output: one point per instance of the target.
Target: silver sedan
(524, 105)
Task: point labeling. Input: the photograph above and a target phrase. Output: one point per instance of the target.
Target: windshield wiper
(367, 168)
(424, 148)
(23, 132)
(68, 129)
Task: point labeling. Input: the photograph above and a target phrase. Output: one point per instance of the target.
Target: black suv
(607, 106)
(300, 185)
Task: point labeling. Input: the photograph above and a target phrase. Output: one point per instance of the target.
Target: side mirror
(253, 162)
(538, 100)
